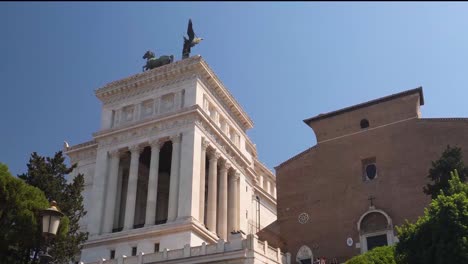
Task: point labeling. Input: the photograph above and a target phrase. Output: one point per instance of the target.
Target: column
(97, 210)
(236, 201)
(174, 179)
(260, 181)
(212, 191)
(132, 187)
(152, 184)
(111, 194)
(267, 187)
(223, 201)
(205, 145)
(232, 208)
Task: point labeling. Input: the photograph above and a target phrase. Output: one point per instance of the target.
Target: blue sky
(284, 62)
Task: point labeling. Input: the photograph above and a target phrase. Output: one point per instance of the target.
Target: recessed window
(134, 251)
(369, 169)
(364, 123)
(112, 254)
(156, 247)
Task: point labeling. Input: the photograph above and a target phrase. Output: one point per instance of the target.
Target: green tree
(439, 173)
(49, 175)
(19, 218)
(441, 235)
(378, 255)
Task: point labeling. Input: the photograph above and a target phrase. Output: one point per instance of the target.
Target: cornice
(140, 79)
(264, 168)
(169, 74)
(223, 143)
(221, 89)
(81, 146)
(152, 231)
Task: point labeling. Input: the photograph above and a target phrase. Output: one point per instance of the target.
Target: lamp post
(50, 223)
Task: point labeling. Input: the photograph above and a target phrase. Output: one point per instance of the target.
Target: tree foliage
(378, 255)
(19, 218)
(49, 175)
(441, 235)
(439, 173)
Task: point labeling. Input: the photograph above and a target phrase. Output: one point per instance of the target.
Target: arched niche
(375, 229)
(304, 255)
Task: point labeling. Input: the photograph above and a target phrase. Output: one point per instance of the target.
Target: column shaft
(232, 204)
(174, 179)
(132, 188)
(152, 185)
(223, 201)
(212, 192)
(111, 194)
(202, 181)
(236, 201)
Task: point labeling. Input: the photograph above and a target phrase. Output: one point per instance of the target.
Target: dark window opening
(112, 254)
(364, 123)
(156, 247)
(371, 171)
(134, 251)
(376, 241)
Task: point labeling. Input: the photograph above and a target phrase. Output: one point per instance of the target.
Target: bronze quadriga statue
(152, 62)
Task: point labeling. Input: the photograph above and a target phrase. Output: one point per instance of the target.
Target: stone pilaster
(111, 193)
(232, 202)
(223, 200)
(204, 146)
(132, 187)
(174, 179)
(97, 210)
(152, 197)
(212, 191)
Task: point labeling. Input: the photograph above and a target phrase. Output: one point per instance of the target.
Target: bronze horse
(152, 62)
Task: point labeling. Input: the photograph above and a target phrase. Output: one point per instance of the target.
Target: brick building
(365, 175)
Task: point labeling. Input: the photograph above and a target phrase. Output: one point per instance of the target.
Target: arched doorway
(375, 229)
(304, 255)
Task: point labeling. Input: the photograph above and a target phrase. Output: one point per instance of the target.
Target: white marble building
(172, 168)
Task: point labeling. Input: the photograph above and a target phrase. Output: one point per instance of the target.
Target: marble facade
(171, 166)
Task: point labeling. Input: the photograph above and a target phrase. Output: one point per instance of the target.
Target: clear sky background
(283, 62)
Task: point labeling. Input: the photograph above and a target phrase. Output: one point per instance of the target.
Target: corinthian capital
(135, 149)
(205, 143)
(115, 153)
(214, 155)
(176, 138)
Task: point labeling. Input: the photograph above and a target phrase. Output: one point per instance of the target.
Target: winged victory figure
(190, 42)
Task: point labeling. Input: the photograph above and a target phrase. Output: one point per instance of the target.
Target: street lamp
(50, 223)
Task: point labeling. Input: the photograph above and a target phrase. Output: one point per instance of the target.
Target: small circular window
(371, 171)
(364, 123)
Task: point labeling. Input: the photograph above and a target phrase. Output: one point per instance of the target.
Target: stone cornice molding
(226, 95)
(194, 67)
(152, 231)
(81, 146)
(170, 116)
(138, 80)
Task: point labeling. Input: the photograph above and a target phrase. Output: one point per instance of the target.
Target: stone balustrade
(247, 247)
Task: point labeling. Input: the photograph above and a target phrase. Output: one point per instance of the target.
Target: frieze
(147, 131)
(220, 144)
(132, 93)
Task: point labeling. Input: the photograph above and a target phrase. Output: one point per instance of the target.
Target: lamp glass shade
(54, 224)
(50, 220)
(45, 223)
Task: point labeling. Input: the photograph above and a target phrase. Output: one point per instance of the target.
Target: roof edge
(368, 103)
